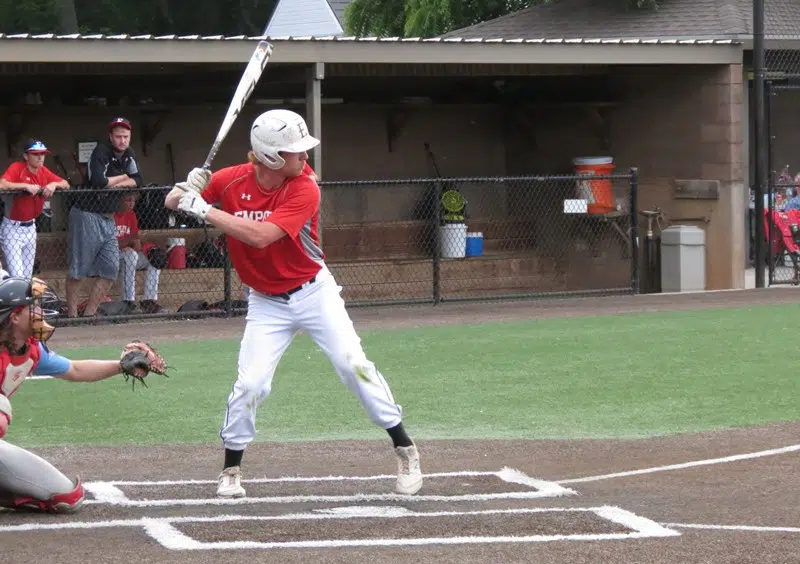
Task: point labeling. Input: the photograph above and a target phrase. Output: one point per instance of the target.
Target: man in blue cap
(34, 184)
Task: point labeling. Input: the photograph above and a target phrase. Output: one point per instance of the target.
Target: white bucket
(592, 161)
(175, 242)
(453, 240)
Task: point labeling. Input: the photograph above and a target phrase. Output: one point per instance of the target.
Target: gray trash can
(683, 259)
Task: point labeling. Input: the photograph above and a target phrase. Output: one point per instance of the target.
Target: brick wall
(686, 123)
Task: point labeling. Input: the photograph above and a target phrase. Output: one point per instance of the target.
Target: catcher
(28, 482)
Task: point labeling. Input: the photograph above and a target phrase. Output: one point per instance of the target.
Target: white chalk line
(694, 464)
(164, 532)
(106, 492)
(205, 502)
(109, 493)
(754, 528)
(296, 479)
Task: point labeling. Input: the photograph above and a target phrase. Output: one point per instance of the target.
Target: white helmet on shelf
(279, 130)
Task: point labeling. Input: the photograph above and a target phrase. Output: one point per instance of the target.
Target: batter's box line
(163, 529)
(109, 493)
(164, 532)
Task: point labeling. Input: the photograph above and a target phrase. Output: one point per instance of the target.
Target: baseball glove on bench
(139, 359)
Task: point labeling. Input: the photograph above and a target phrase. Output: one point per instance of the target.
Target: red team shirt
(292, 260)
(27, 206)
(15, 369)
(127, 224)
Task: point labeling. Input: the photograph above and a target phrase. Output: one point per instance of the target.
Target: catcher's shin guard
(69, 502)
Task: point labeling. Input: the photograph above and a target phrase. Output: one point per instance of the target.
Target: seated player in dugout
(135, 255)
(28, 482)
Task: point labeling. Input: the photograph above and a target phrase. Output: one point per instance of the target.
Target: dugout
(488, 108)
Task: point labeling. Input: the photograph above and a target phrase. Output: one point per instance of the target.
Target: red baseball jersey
(14, 369)
(127, 224)
(26, 207)
(294, 207)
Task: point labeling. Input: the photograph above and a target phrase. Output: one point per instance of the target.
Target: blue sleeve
(793, 204)
(51, 364)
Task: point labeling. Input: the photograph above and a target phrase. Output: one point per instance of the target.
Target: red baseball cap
(35, 147)
(119, 122)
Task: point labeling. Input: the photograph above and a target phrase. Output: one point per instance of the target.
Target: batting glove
(193, 204)
(198, 179)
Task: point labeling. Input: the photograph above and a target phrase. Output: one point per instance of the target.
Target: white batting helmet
(279, 130)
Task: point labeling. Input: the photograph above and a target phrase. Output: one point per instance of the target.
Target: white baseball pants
(319, 310)
(129, 262)
(19, 247)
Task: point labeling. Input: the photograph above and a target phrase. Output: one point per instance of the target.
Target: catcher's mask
(16, 293)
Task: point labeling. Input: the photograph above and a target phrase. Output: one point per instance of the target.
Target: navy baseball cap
(119, 122)
(35, 147)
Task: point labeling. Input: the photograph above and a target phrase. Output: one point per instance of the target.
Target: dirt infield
(510, 501)
(728, 496)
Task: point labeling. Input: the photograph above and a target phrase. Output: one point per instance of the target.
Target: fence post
(634, 204)
(226, 281)
(437, 247)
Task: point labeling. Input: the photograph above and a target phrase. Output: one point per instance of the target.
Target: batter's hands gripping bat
(253, 71)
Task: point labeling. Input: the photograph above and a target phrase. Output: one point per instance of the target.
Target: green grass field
(599, 377)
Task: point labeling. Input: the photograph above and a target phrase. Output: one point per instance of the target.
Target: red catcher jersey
(127, 224)
(14, 369)
(292, 260)
(26, 206)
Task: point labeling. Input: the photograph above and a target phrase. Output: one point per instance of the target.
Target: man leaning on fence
(92, 241)
(34, 184)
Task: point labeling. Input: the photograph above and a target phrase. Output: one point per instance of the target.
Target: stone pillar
(723, 160)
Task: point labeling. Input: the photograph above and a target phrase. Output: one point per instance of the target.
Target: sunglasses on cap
(36, 147)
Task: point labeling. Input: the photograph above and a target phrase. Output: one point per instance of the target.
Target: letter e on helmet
(279, 131)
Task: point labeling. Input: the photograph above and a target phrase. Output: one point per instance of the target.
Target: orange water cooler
(598, 193)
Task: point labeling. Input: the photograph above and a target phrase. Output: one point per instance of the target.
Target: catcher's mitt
(138, 359)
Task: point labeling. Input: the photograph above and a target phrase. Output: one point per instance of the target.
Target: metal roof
(303, 17)
(332, 38)
(202, 49)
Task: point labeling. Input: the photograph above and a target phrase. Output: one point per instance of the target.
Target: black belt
(22, 223)
(285, 295)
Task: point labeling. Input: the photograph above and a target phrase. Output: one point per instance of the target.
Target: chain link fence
(120, 253)
(450, 239)
(782, 115)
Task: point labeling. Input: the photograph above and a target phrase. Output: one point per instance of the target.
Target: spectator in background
(792, 204)
(132, 258)
(92, 242)
(35, 183)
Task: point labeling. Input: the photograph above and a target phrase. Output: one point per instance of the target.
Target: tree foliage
(409, 18)
(159, 17)
(429, 18)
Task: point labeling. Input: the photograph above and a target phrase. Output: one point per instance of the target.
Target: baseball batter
(269, 210)
(28, 482)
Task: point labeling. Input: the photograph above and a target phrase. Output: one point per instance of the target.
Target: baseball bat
(253, 71)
